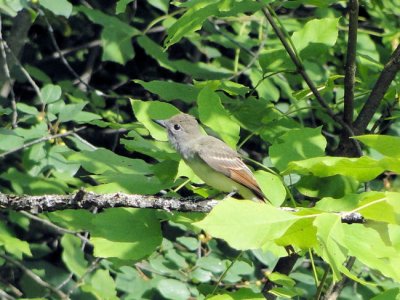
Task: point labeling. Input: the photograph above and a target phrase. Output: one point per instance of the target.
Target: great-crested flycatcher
(212, 160)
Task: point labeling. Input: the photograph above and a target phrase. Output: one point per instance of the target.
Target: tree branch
(8, 76)
(349, 79)
(283, 266)
(335, 289)
(40, 140)
(301, 70)
(88, 200)
(34, 277)
(378, 91)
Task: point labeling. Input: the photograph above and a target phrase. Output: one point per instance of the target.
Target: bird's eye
(177, 127)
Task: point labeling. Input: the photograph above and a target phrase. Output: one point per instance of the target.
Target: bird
(213, 161)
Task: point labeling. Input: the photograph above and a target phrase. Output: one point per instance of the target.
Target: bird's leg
(230, 195)
(194, 198)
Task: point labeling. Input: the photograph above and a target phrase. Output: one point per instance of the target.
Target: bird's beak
(160, 122)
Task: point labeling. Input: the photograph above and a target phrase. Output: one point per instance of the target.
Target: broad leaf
(214, 115)
(297, 144)
(272, 187)
(148, 111)
(362, 169)
(245, 224)
(125, 233)
(385, 144)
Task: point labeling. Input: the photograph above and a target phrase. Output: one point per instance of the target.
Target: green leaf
(393, 293)
(189, 242)
(72, 255)
(316, 37)
(385, 144)
(114, 182)
(329, 228)
(191, 21)
(173, 289)
(246, 224)
(117, 45)
(101, 284)
(56, 159)
(196, 70)
(59, 7)
(71, 111)
(85, 117)
(12, 244)
(102, 160)
(211, 263)
(302, 234)
(376, 251)
(297, 144)
(10, 139)
(272, 60)
(241, 294)
(160, 4)
(77, 220)
(121, 6)
(50, 93)
(125, 233)
(380, 207)
(116, 35)
(33, 185)
(27, 109)
(214, 115)
(362, 169)
(272, 187)
(390, 164)
(12, 7)
(36, 131)
(200, 275)
(147, 111)
(156, 149)
(168, 90)
(336, 186)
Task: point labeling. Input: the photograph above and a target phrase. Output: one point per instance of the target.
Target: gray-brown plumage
(211, 159)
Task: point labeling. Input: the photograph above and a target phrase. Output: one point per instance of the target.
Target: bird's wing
(223, 159)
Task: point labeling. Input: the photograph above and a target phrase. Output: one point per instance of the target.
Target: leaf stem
(313, 267)
(225, 272)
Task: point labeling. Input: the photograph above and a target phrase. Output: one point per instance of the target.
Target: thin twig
(61, 56)
(386, 114)
(82, 140)
(301, 70)
(85, 242)
(233, 41)
(254, 58)
(225, 272)
(350, 75)
(378, 92)
(5, 296)
(41, 140)
(68, 66)
(26, 74)
(89, 270)
(56, 228)
(322, 283)
(335, 289)
(55, 55)
(8, 76)
(34, 277)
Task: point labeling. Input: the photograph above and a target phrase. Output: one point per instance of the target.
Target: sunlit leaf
(245, 224)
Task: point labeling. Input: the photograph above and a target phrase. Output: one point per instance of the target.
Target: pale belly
(218, 180)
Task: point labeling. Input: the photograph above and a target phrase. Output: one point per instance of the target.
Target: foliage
(111, 68)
